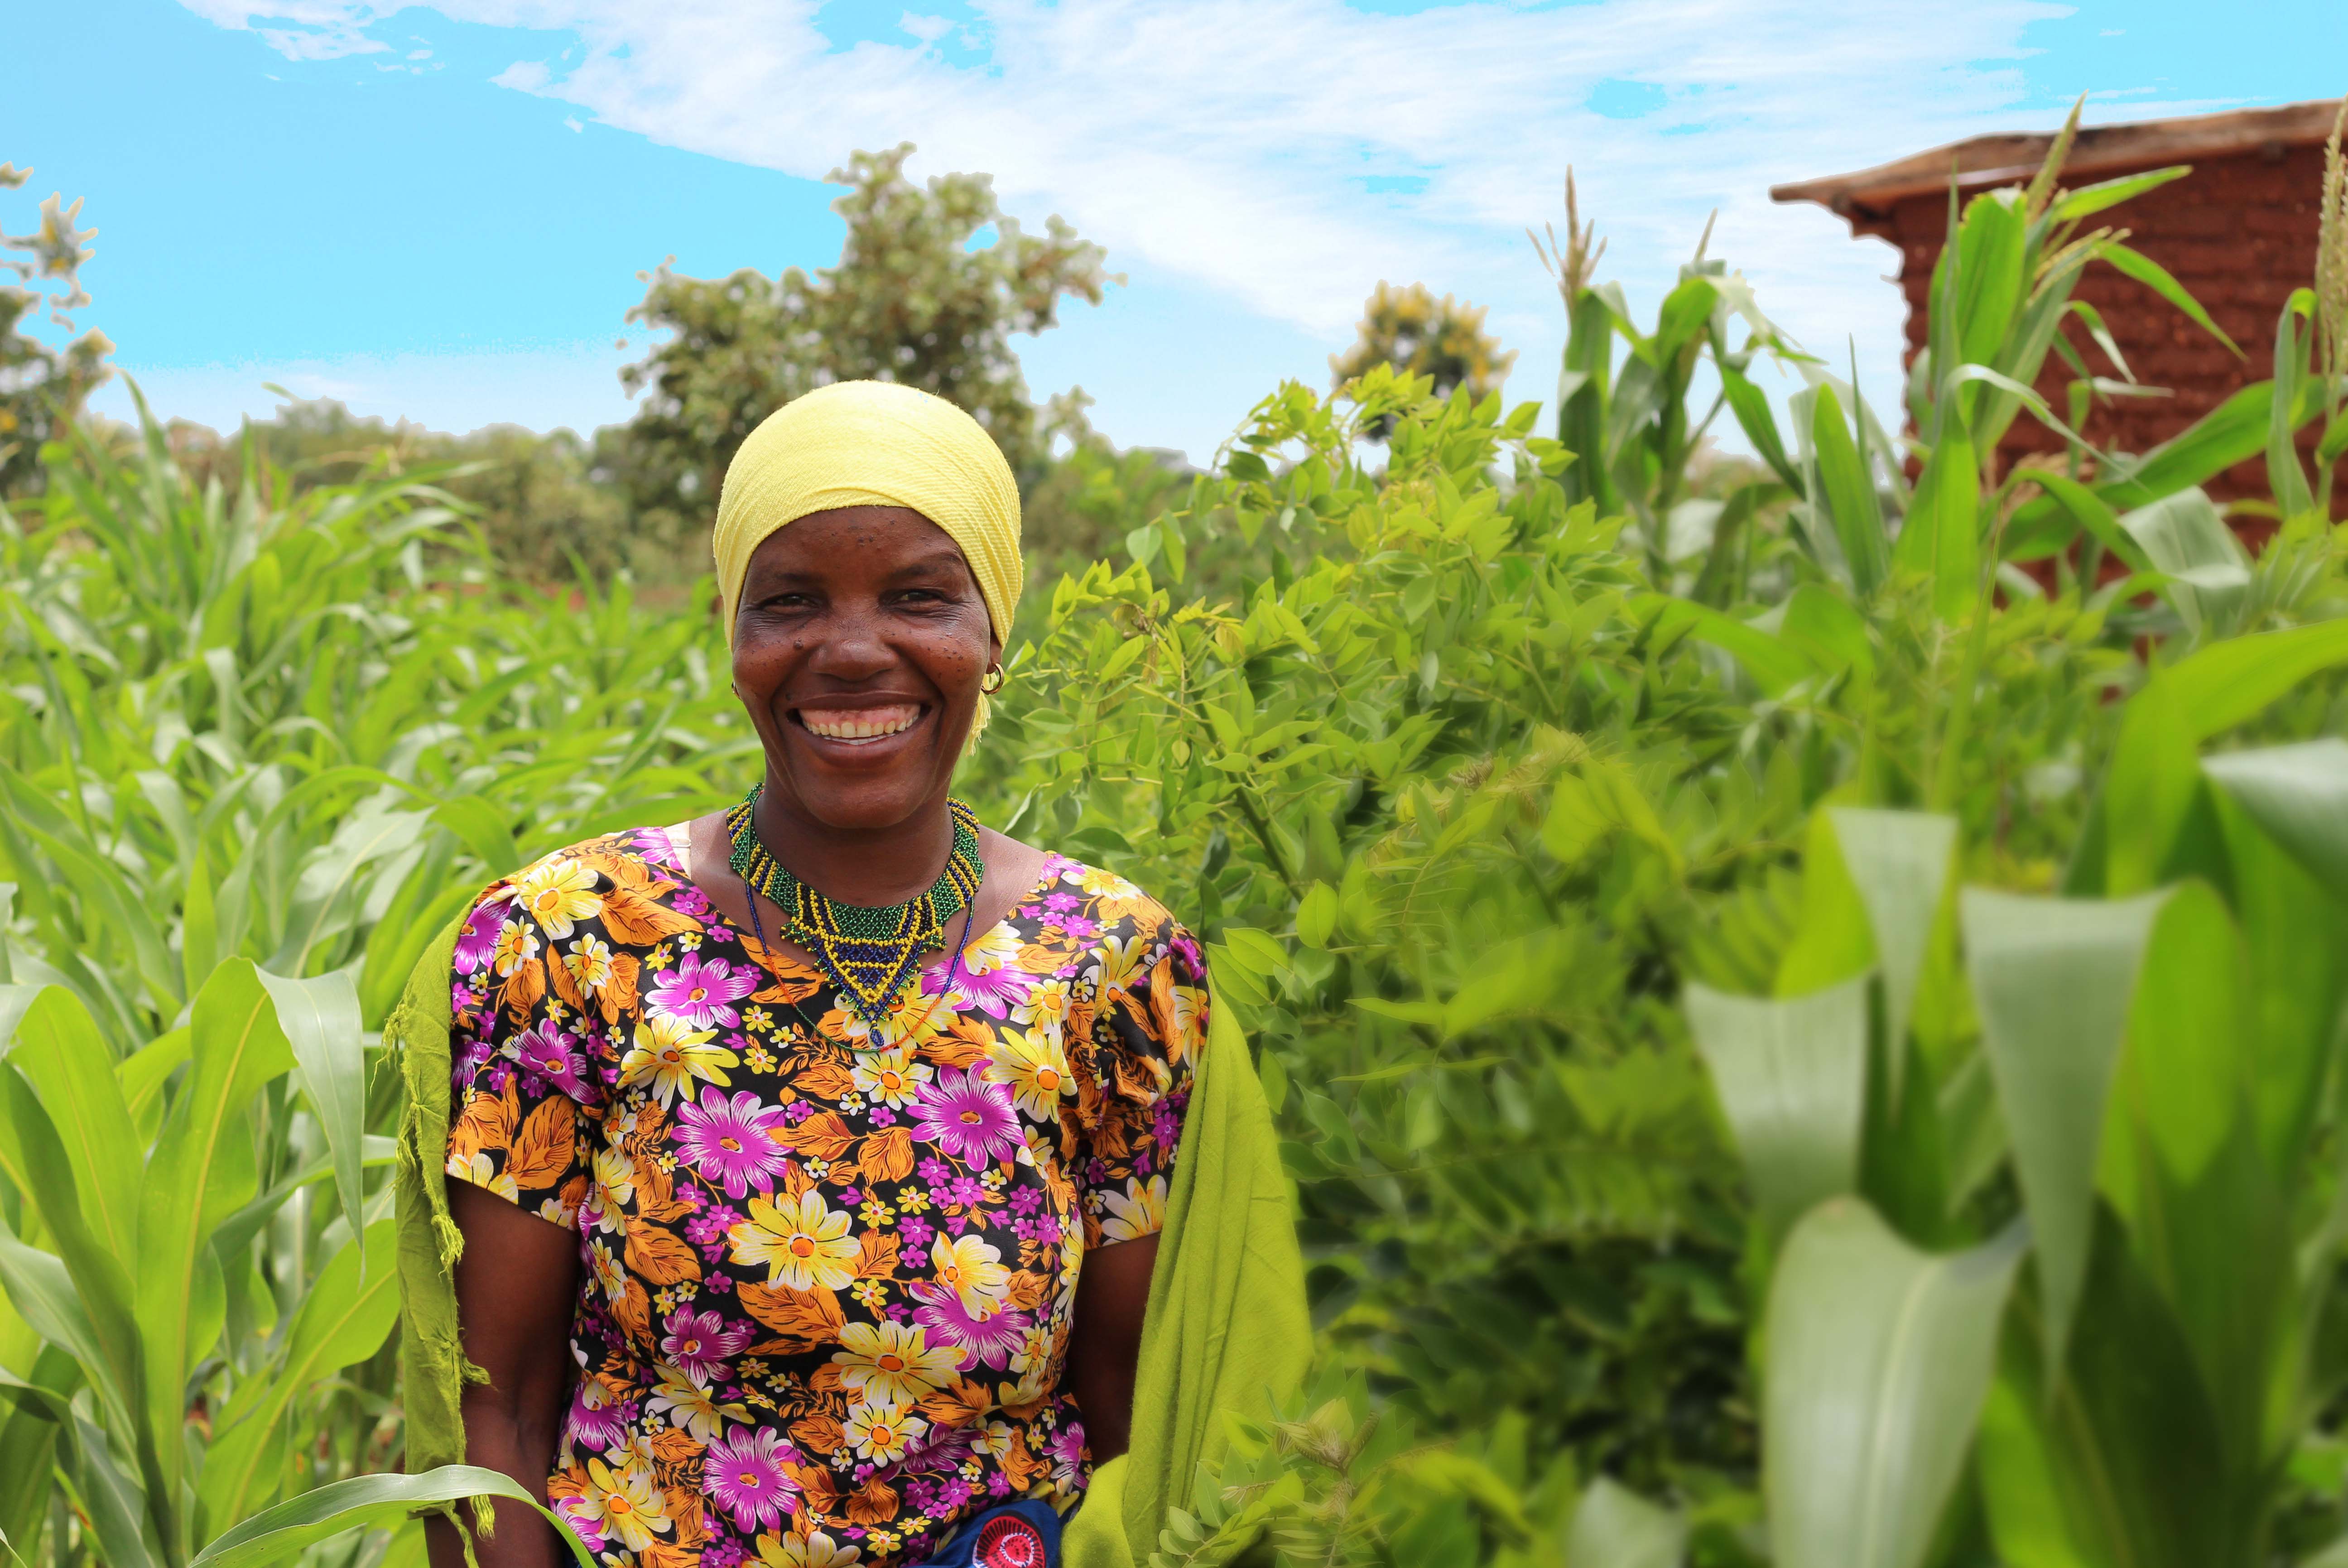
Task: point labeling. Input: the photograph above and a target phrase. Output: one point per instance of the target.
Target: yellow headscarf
(875, 443)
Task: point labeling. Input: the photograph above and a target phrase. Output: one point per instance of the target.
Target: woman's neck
(871, 868)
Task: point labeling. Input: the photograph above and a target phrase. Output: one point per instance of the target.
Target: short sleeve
(523, 1095)
(1149, 1028)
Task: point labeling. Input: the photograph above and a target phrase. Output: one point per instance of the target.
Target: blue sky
(440, 211)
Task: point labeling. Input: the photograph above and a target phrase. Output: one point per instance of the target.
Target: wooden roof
(1986, 161)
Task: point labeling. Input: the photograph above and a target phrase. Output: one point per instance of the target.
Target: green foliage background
(1533, 792)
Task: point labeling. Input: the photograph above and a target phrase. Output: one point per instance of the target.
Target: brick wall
(2238, 232)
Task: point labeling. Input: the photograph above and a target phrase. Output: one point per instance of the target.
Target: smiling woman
(811, 1158)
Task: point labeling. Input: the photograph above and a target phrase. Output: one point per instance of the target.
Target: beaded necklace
(866, 954)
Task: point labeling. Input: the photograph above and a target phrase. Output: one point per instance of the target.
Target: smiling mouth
(858, 726)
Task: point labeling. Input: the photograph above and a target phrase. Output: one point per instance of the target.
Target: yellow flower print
(1035, 1352)
(1045, 1008)
(605, 1266)
(1120, 963)
(558, 894)
(481, 1170)
(890, 1078)
(1140, 1211)
(813, 1550)
(589, 960)
(893, 1361)
(1189, 1007)
(881, 1433)
(1035, 1068)
(615, 1188)
(1032, 1385)
(974, 1271)
(1106, 884)
(991, 951)
(688, 1405)
(669, 1056)
(517, 945)
(803, 1242)
(627, 1505)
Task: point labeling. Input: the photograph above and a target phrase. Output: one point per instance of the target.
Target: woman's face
(859, 642)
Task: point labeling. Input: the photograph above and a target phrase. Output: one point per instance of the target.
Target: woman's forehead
(862, 539)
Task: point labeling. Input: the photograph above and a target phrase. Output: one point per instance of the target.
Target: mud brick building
(2238, 232)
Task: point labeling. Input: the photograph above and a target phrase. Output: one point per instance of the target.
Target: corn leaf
(203, 1170)
(1848, 493)
(320, 1019)
(2156, 277)
(1791, 1074)
(2052, 979)
(2299, 795)
(282, 1532)
(346, 1317)
(60, 1051)
(1615, 1527)
(1879, 1359)
(1899, 862)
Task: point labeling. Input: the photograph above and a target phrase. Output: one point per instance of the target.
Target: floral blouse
(829, 1272)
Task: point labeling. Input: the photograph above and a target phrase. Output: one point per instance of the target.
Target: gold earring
(998, 676)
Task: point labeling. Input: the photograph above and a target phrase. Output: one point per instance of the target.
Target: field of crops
(1804, 1013)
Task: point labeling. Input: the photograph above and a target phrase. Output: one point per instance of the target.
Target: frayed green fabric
(1227, 1333)
(432, 1364)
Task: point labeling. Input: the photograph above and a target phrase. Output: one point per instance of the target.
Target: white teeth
(859, 724)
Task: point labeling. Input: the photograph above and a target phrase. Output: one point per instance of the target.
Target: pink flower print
(479, 937)
(654, 845)
(701, 1345)
(700, 993)
(989, 1339)
(996, 992)
(730, 1142)
(597, 1420)
(967, 1118)
(551, 1052)
(1067, 1450)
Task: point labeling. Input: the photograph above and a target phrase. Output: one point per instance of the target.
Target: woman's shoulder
(1105, 913)
(631, 870)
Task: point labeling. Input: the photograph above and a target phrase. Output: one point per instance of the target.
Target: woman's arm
(517, 1286)
(1105, 1342)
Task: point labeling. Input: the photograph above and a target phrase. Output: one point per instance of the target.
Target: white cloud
(1226, 142)
(298, 30)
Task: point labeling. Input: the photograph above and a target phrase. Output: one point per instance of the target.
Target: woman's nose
(850, 646)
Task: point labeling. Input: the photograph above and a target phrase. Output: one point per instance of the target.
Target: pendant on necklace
(867, 955)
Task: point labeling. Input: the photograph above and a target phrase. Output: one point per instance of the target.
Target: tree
(1413, 331)
(42, 388)
(911, 301)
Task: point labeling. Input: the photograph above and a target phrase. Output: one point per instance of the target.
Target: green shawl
(1226, 1330)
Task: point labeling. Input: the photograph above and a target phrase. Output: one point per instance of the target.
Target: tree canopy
(1413, 331)
(42, 388)
(919, 297)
